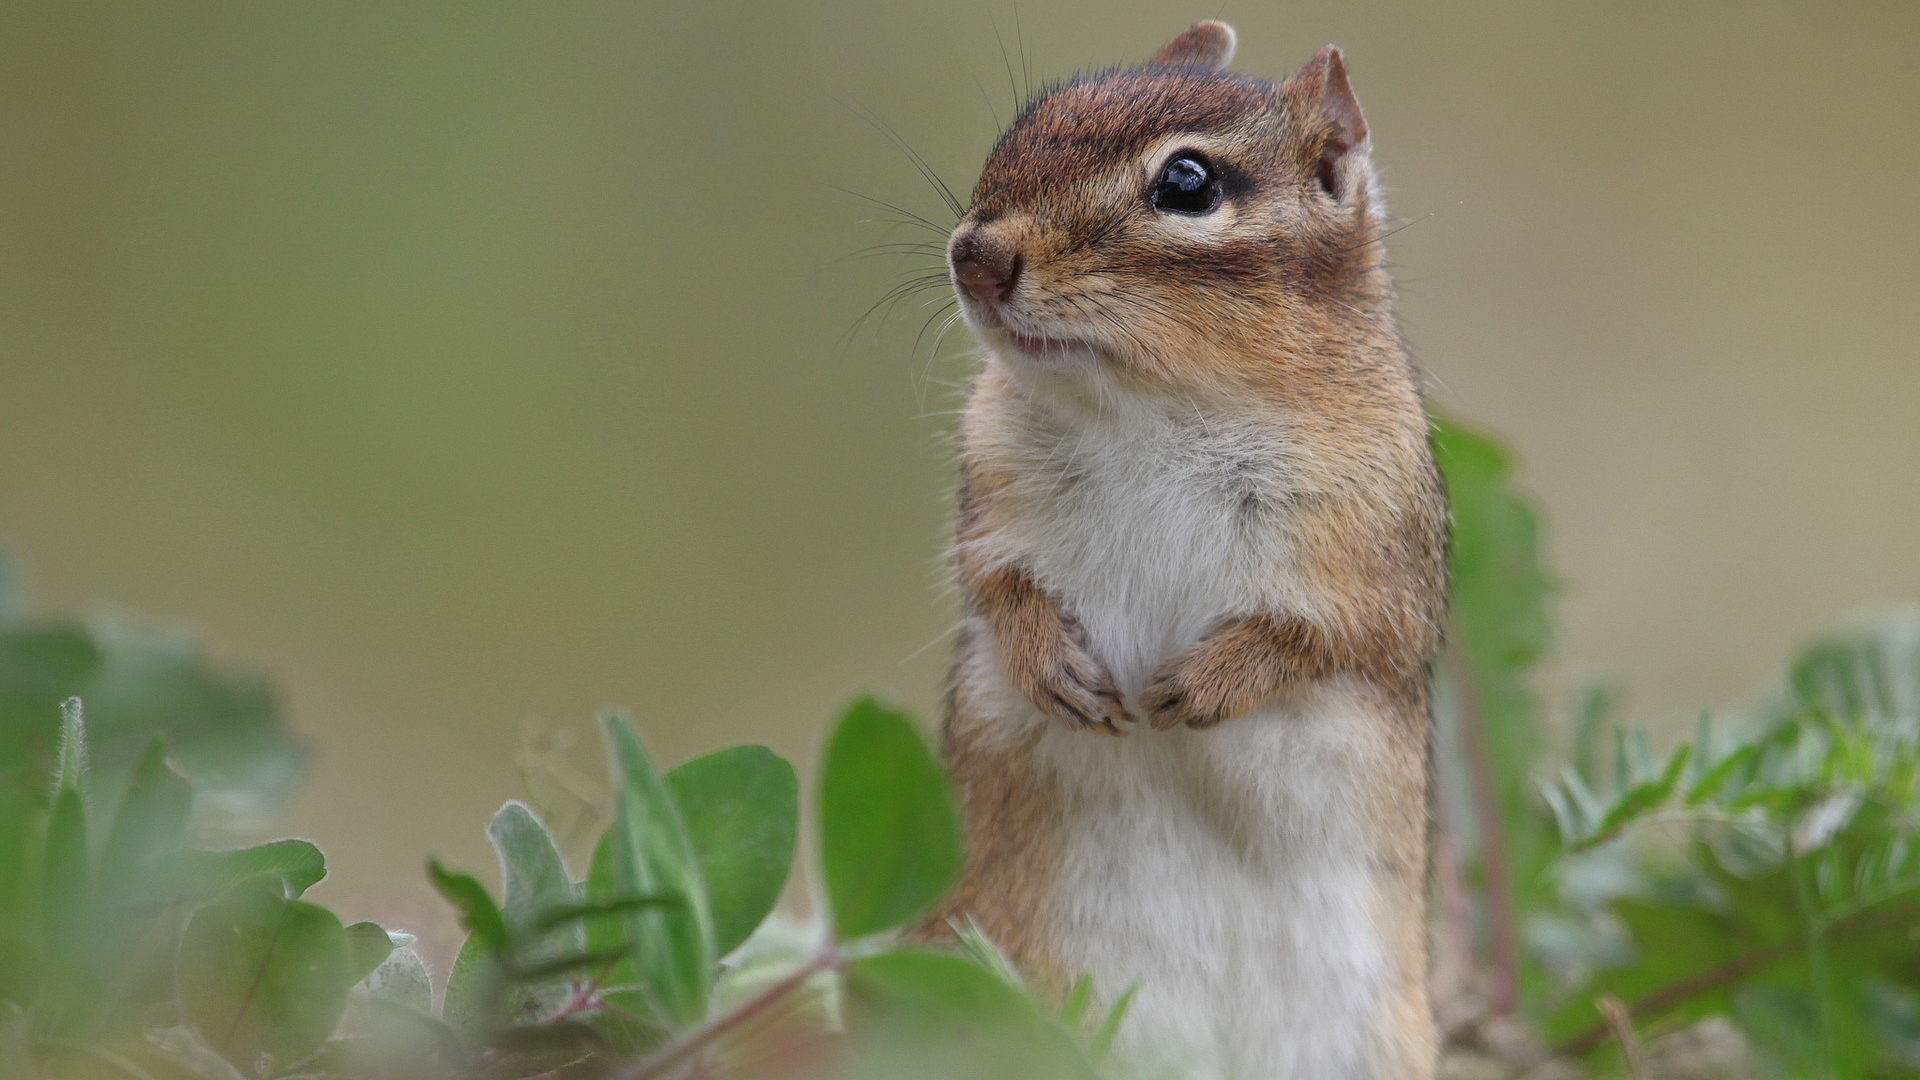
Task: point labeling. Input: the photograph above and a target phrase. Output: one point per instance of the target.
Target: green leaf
(474, 987)
(562, 914)
(103, 943)
(64, 877)
(368, 946)
(584, 963)
(402, 978)
(741, 807)
(260, 974)
(607, 923)
(66, 942)
(478, 913)
(222, 731)
(533, 875)
(40, 667)
(297, 864)
(943, 1009)
(973, 943)
(21, 834)
(544, 1048)
(1639, 800)
(149, 827)
(1499, 633)
(187, 1049)
(628, 1031)
(222, 728)
(1102, 1041)
(395, 1039)
(1714, 777)
(647, 853)
(889, 838)
(1073, 1009)
(534, 881)
(1894, 1012)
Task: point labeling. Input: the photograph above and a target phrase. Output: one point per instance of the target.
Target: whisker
(1094, 304)
(929, 250)
(953, 320)
(1026, 62)
(1363, 244)
(1019, 98)
(911, 217)
(925, 377)
(892, 297)
(939, 313)
(984, 96)
(920, 163)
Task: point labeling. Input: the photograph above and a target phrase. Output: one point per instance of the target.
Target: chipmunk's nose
(986, 268)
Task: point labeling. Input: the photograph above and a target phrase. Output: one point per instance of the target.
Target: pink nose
(987, 270)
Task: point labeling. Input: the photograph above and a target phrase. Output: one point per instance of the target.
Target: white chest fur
(1222, 873)
(1152, 521)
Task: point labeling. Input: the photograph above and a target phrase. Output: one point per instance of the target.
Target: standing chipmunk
(1202, 542)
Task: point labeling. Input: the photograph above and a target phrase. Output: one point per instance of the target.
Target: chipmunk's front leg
(1044, 652)
(1233, 670)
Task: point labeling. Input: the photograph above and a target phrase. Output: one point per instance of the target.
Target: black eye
(1187, 186)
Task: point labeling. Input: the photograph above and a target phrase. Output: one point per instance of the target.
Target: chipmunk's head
(1165, 219)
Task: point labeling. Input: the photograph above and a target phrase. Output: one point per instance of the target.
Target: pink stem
(1495, 877)
(706, 1034)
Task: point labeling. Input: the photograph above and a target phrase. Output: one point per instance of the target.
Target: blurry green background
(460, 366)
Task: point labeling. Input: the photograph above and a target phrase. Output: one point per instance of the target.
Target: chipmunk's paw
(1182, 695)
(1074, 687)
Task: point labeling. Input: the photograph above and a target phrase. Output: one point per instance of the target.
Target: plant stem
(1816, 961)
(1455, 962)
(675, 1053)
(1496, 878)
(1620, 1023)
(1713, 978)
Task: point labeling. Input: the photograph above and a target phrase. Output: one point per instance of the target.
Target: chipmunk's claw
(1082, 694)
(1077, 688)
(1171, 701)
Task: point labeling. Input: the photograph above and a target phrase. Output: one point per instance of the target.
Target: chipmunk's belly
(1224, 873)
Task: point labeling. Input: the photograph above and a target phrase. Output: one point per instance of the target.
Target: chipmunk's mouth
(1047, 349)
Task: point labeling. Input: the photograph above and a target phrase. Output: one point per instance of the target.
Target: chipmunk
(1201, 541)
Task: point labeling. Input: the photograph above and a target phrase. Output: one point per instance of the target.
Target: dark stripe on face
(1087, 127)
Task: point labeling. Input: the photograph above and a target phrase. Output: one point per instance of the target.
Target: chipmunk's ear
(1206, 44)
(1321, 89)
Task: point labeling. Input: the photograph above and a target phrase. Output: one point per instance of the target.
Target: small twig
(673, 1054)
(1502, 941)
(1674, 993)
(1457, 948)
(1713, 978)
(1620, 1023)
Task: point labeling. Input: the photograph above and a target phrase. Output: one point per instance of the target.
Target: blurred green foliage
(222, 729)
(128, 951)
(1779, 866)
(1766, 869)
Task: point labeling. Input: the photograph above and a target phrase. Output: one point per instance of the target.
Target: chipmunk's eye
(1187, 186)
